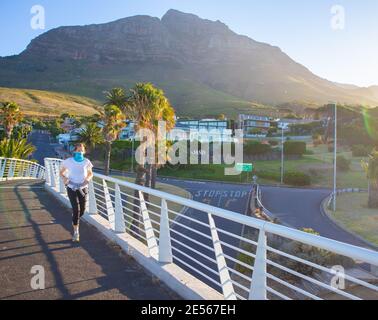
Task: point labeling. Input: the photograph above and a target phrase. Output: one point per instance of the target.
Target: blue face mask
(78, 156)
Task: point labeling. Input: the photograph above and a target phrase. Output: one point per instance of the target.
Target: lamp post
(335, 162)
(282, 154)
(132, 154)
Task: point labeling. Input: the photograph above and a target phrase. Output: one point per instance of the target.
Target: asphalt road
(300, 208)
(45, 149)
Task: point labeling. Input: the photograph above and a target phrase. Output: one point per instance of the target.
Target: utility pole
(132, 154)
(282, 154)
(335, 162)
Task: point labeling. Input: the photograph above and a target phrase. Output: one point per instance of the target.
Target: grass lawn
(354, 215)
(319, 165)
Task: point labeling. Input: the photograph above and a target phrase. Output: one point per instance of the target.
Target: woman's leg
(82, 197)
(72, 195)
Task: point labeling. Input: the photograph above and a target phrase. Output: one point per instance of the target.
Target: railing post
(108, 205)
(29, 170)
(41, 173)
(34, 171)
(118, 211)
(224, 275)
(47, 172)
(150, 235)
(165, 246)
(259, 276)
(2, 168)
(11, 169)
(52, 175)
(92, 205)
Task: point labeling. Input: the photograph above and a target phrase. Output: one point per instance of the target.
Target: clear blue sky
(301, 28)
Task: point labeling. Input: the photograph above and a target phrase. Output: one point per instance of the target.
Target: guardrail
(12, 169)
(240, 256)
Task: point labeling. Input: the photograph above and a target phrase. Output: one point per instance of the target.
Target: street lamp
(282, 153)
(335, 162)
(132, 153)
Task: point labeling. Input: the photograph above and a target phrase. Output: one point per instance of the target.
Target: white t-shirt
(77, 171)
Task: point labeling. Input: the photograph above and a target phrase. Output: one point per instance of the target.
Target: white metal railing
(240, 256)
(12, 169)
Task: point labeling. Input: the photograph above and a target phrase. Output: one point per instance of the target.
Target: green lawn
(319, 165)
(353, 213)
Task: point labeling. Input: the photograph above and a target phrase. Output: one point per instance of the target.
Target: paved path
(36, 230)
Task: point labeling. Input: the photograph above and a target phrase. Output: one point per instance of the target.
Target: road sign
(244, 167)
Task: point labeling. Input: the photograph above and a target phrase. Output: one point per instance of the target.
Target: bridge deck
(36, 230)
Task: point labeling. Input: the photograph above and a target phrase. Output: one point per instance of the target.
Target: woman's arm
(89, 175)
(62, 173)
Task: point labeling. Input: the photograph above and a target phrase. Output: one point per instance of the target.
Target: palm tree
(10, 116)
(114, 121)
(91, 136)
(148, 105)
(371, 168)
(16, 148)
(117, 97)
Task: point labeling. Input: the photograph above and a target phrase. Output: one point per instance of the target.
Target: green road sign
(244, 167)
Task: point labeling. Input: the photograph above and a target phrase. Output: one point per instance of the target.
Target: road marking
(217, 193)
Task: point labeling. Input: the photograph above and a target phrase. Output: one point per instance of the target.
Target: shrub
(360, 150)
(273, 143)
(295, 147)
(256, 147)
(343, 164)
(297, 178)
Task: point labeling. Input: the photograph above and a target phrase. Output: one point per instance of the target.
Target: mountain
(39, 103)
(204, 67)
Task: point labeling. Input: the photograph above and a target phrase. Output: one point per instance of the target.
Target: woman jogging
(76, 173)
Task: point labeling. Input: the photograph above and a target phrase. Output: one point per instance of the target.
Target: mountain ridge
(180, 53)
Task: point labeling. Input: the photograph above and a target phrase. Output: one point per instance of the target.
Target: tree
(16, 148)
(117, 97)
(371, 168)
(114, 121)
(10, 116)
(91, 136)
(148, 105)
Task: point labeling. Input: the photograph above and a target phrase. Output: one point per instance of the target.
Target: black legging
(78, 201)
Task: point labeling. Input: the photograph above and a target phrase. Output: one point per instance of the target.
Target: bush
(295, 147)
(256, 147)
(297, 178)
(360, 150)
(343, 164)
(273, 143)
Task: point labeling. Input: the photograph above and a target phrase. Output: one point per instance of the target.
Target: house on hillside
(256, 126)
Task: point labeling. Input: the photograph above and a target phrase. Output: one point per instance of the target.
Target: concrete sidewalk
(35, 229)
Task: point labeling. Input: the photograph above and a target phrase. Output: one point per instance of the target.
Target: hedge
(297, 178)
(295, 147)
(256, 147)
